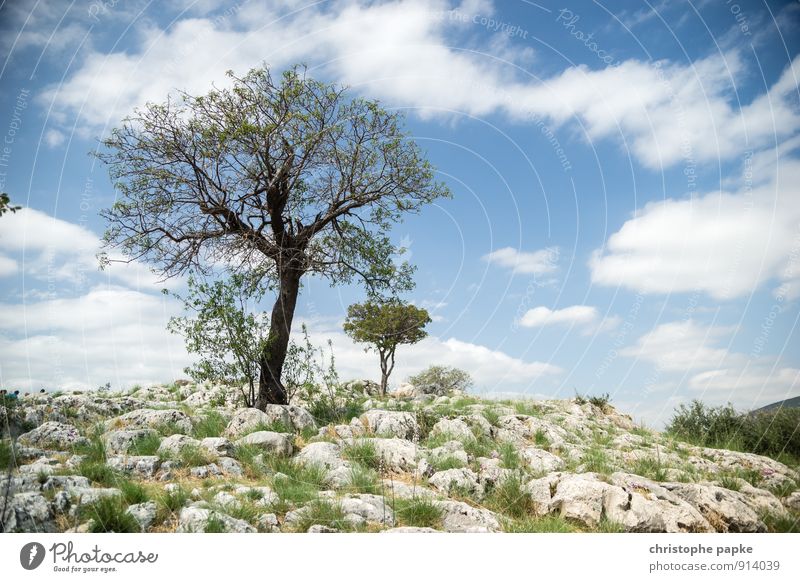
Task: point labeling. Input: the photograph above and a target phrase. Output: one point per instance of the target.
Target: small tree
(386, 326)
(223, 332)
(5, 204)
(440, 380)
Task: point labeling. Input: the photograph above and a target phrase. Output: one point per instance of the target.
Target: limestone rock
(386, 423)
(53, 435)
(271, 442)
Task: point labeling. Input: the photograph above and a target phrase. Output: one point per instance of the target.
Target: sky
(625, 215)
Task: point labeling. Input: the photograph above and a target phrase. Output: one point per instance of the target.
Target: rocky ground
(186, 458)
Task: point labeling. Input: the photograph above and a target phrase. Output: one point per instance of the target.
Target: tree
(278, 179)
(224, 332)
(5, 204)
(441, 380)
(386, 326)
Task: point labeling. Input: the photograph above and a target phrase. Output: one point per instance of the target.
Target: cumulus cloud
(8, 266)
(528, 263)
(404, 52)
(726, 244)
(576, 315)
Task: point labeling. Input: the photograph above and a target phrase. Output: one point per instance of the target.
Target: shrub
(109, 514)
(441, 380)
(600, 401)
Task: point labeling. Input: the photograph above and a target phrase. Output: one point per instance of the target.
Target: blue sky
(625, 219)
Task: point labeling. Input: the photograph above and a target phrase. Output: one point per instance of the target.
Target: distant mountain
(788, 403)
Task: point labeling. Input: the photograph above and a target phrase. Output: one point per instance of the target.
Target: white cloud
(726, 244)
(529, 263)
(8, 266)
(57, 250)
(403, 53)
(54, 138)
(680, 346)
(575, 315)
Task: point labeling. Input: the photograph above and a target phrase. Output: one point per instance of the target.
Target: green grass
(546, 524)
(214, 525)
(608, 526)
(248, 456)
(300, 484)
(98, 472)
(601, 401)
(444, 463)
(783, 489)
(146, 445)
(362, 452)
(789, 523)
(729, 481)
(109, 514)
(168, 429)
(6, 455)
(509, 457)
(541, 440)
(417, 512)
(364, 480)
(480, 446)
(195, 456)
(649, 467)
(510, 498)
(596, 461)
(641, 431)
(133, 492)
(274, 426)
(322, 512)
(527, 408)
(93, 450)
(211, 424)
(492, 416)
(170, 503)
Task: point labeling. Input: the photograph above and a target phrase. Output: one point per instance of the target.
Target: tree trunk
(270, 388)
(387, 365)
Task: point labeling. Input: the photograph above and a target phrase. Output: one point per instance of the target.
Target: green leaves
(386, 325)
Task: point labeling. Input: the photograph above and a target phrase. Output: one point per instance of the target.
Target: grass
(195, 456)
(492, 416)
(214, 525)
(364, 480)
(510, 498)
(446, 462)
(608, 526)
(777, 523)
(322, 512)
(133, 492)
(145, 445)
(99, 472)
(596, 461)
(274, 426)
(362, 452)
(546, 524)
(109, 514)
(300, 483)
(649, 467)
(168, 429)
(480, 446)
(601, 401)
(94, 449)
(417, 512)
(248, 456)
(729, 481)
(540, 439)
(170, 502)
(211, 424)
(509, 457)
(6, 454)
(783, 489)
(527, 408)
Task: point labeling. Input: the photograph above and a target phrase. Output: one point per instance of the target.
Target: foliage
(210, 424)
(109, 514)
(5, 204)
(384, 326)
(600, 401)
(417, 512)
(547, 524)
(772, 433)
(6, 454)
(511, 498)
(442, 380)
(362, 452)
(224, 332)
(277, 178)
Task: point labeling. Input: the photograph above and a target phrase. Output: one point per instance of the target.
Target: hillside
(188, 458)
(788, 403)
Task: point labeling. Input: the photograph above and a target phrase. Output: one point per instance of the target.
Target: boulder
(152, 418)
(725, 510)
(323, 454)
(459, 517)
(121, 441)
(53, 435)
(144, 513)
(371, 508)
(219, 446)
(397, 454)
(463, 481)
(249, 419)
(454, 428)
(28, 512)
(194, 519)
(274, 443)
(145, 466)
(174, 444)
(541, 461)
(387, 423)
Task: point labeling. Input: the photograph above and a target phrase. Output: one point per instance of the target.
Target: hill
(788, 403)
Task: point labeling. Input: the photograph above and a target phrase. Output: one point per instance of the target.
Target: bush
(772, 433)
(441, 380)
(600, 401)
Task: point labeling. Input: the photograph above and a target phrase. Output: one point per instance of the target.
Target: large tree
(384, 326)
(278, 178)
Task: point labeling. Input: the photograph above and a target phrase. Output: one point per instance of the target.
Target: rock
(194, 519)
(121, 441)
(519, 428)
(401, 490)
(174, 444)
(455, 428)
(761, 500)
(540, 460)
(301, 418)
(725, 510)
(463, 481)
(43, 466)
(226, 500)
(321, 529)
(387, 423)
(448, 452)
(410, 529)
(249, 419)
(205, 471)
(458, 517)
(264, 495)
(323, 454)
(368, 507)
(397, 454)
(490, 473)
(145, 466)
(275, 443)
(793, 501)
(28, 512)
(53, 435)
(219, 446)
(144, 513)
(229, 466)
(152, 418)
(268, 522)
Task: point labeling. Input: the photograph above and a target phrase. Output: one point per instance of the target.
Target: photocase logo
(31, 555)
